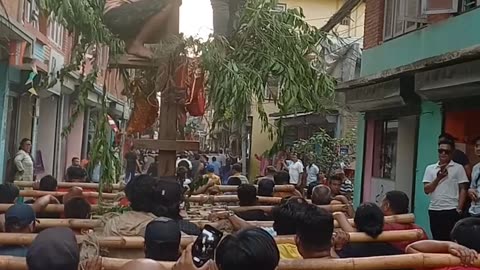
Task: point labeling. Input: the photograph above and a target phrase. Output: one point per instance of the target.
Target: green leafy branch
(267, 44)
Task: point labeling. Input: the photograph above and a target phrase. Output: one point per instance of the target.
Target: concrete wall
(75, 139)
(46, 132)
(406, 149)
(260, 141)
(429, 126)
(451, 35)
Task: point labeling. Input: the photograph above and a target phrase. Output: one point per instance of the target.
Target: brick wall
(373, 23)
(12, 9)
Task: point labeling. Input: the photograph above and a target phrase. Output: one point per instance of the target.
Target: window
(402, 16)
(385, 149)
(439, 6)
(470, 4)
(56, 32)
(30, 13)
(346, 21)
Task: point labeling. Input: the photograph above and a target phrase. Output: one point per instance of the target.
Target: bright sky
(196, 18)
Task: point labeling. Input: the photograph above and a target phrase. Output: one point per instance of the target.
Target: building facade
(347, 40)
(38, 45)
(419, 78)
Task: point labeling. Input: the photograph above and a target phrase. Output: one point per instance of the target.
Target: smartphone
(203, 249)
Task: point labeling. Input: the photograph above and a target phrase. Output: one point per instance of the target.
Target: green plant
(326, 151)
(267, 46)
(83, 20)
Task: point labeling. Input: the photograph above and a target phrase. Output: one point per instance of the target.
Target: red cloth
(398, 227)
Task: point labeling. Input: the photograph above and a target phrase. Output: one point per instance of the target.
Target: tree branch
(343, 12)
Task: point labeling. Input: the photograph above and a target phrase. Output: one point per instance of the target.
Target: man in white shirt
(446, 183)
(296, 172)
(312, 173)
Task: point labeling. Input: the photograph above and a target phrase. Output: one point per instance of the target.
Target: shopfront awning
(455, 81)
(12, 30)
(381, 95)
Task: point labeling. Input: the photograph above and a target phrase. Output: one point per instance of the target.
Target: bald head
(144, 264)
(321, 195)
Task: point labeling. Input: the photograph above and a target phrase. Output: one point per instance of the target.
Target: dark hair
(369, 219)
(311, 237)
(237, 167)
(77, 207)
(286, 215)
(48, 183)
(8, 193)
(253, 249)
(446, 136)
(266, 187)
(214, 159)
(23, 141)
(334, 178)
(448, 142)
(321, 195)
(476, 139)
(196, 156)
(220, 151)
(162, 251)
(281, 178)
(247, 195)
(467, 233)
(74, 173)
(398, 202)
(271, 170)
(74, 158)
(234, 181)
(161, 197)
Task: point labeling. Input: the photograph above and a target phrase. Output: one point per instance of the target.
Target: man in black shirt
(247, 196)
(131, 159)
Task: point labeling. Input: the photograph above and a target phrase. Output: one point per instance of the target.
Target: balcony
(454, 34)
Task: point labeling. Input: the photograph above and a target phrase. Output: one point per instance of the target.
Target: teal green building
(420, 77)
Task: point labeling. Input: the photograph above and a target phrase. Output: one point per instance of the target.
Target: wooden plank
(131, 61)
(166, 145)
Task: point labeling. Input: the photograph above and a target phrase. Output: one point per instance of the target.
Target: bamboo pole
(29, 184)
(279, 188)
(268, 209)
(38, 193)
(51, 208)
(415, 261)
(136, 242)
(203, 199)
(93, 223)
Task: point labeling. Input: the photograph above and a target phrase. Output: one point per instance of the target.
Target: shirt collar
(450, 164)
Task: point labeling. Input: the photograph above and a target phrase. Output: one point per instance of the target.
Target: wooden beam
(343, 12)
(87, 194)
(166, 145)
(29, 184)
(44, 223)
(137, 242)
(268, 208)
(405, 261)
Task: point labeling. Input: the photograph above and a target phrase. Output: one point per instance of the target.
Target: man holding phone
(446, 183)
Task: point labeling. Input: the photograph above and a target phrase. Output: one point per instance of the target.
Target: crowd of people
(156, 213)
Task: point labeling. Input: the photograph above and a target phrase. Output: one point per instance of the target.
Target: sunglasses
(444, 151)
